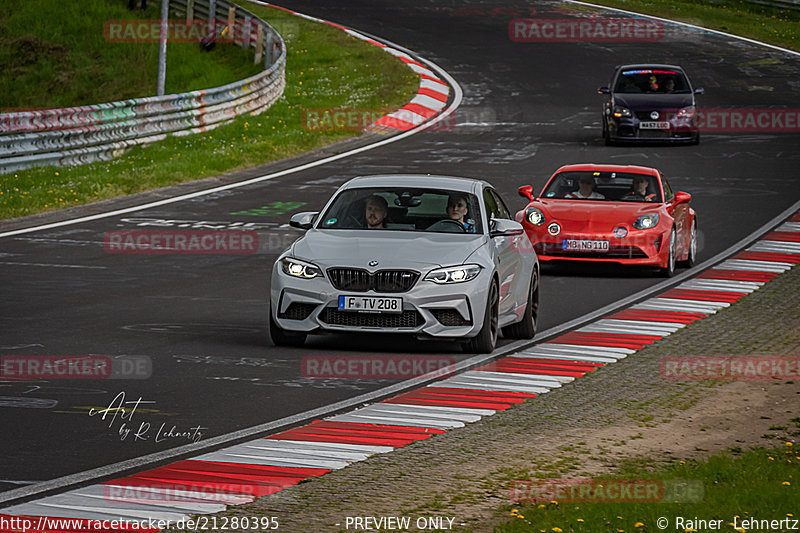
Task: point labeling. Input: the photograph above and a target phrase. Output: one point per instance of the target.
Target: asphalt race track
(201, 320)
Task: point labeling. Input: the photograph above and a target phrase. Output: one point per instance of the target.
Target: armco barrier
(78, 135)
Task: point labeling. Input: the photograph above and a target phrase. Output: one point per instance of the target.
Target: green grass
(55, 54)
(764, 484)
(326, 68)
(773, 26)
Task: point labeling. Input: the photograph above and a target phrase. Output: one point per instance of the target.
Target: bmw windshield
(403, 209)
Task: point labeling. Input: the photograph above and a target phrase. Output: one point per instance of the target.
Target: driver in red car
(639, 192)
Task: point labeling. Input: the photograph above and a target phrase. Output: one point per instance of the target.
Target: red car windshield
(603, 186)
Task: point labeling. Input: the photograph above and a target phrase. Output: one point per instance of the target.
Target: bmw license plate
(370, 304)
(577, 245)
(654, 125)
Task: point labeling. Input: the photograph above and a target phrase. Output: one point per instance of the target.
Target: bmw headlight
(299, 269)
(621, 112)
(455, 274)
(534, 216)
(647, 221)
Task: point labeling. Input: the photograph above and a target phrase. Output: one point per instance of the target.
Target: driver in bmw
(376, 211)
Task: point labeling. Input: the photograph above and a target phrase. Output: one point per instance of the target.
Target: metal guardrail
(78, 135)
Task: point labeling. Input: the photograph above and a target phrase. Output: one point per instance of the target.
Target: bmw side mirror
(603, 90)
(699, 90)
(303, 220)
(526, 191)
(502, 227)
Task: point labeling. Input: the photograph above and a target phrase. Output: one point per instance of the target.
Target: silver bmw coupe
(433, 256)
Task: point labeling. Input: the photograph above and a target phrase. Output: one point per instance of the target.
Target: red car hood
(589, 216)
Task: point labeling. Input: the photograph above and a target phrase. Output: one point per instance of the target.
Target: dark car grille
(360, 280)
(406, 319)
(449, 317)
(298, 311)
(662, 115)
(614, 252)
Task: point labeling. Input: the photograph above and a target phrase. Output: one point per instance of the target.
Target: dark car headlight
(685, 114)
(647, 221)
(621, 112)
(454, 274)
(299, 269)
(534, 216)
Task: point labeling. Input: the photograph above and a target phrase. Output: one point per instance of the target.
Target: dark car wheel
(526, 328)
(692, 255)
(281, 337)
(484, 342)
(606, 135)
(669, 270)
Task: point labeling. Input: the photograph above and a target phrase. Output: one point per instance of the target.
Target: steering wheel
(447, 225)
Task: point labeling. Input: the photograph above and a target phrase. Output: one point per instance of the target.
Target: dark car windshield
(652, 81)
(603, 186)
(403, 209)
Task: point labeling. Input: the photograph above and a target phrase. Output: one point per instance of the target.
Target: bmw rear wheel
(485, 341)
(526, 328)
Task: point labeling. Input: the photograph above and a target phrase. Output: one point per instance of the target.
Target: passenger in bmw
(376, 210)
(457, 209)
(585, 190)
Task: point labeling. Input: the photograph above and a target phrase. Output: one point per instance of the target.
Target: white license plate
(577, 245)
(371, 304)
(654, 125)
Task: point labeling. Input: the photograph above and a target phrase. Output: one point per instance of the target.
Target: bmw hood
(649, 102)
(391, 249)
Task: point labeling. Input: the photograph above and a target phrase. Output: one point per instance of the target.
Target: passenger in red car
(585, 190)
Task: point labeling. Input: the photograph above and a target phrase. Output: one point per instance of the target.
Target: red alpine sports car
(611, 213)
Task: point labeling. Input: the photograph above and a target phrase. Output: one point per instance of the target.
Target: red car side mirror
(682, 197)
(526, 191)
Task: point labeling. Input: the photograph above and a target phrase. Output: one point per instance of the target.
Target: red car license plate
(577, 245)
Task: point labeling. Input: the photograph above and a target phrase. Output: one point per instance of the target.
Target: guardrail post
(212, 19)
(246, 32)
(232, 22)
(269, 52)
(259, 44)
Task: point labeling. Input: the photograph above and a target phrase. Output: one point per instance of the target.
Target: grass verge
(55, 54)
(728, 488)
(326, 69)
(763, 23)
